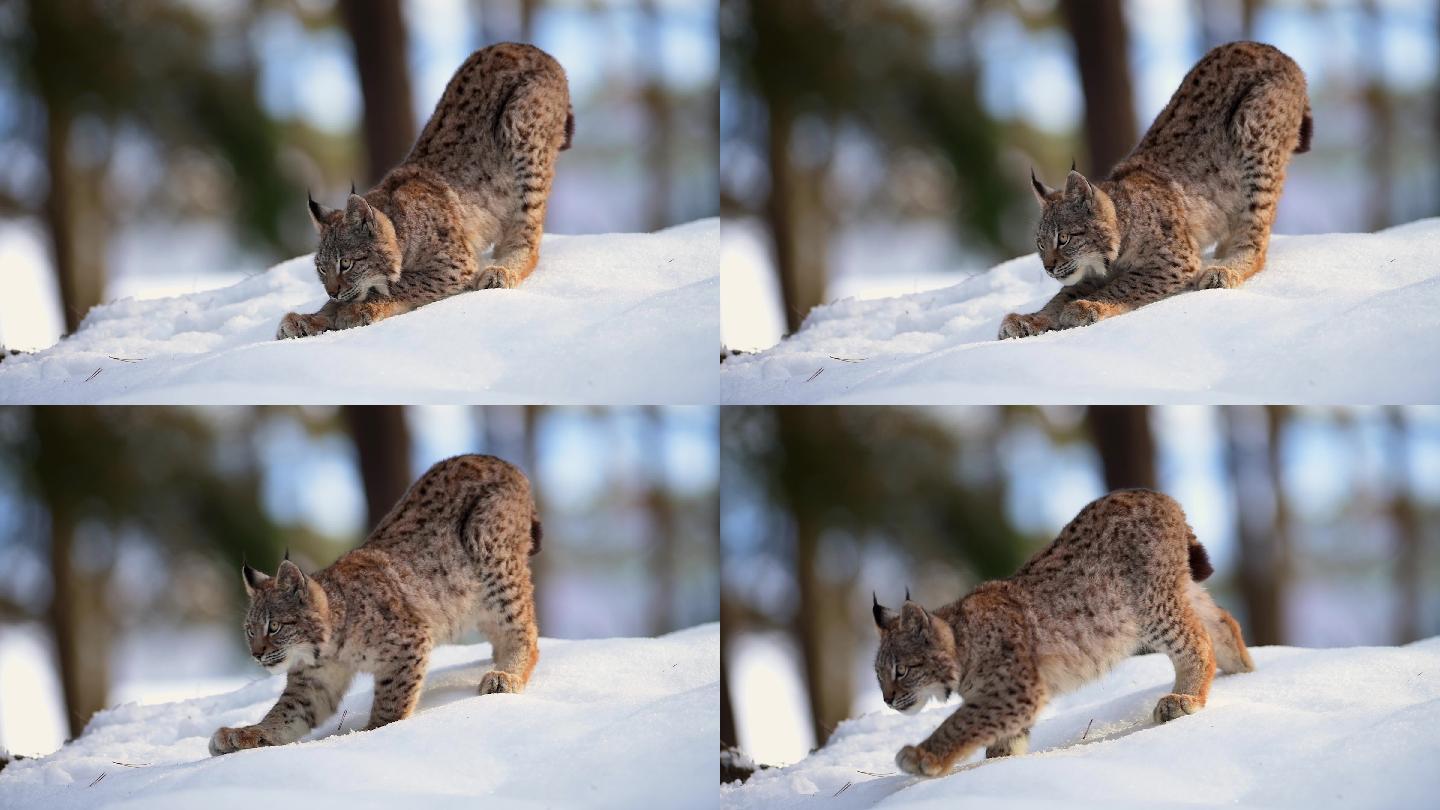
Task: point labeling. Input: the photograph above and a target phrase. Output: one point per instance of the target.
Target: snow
(1353, 727)
(1365, 303)
(605, 319)
(619, 723)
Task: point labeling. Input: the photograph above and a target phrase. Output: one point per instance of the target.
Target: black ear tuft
(907, 593)
(252, 578)
(319, 214)
(883, 615)
(1072, 163)
(352, 186)
(1041, 190)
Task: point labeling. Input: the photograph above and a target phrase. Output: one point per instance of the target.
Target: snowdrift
(1336, 318)
(607, 319)
(614, 723)
(1355, 727)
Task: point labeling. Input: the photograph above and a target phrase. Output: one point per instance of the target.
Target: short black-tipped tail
(536, 534)
(1200, 568)
(1307, 128)
(570, 129)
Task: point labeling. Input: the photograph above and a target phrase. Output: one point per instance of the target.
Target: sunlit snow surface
(1335, 318)
(610, 723)
(1355, 727)
(605, 319)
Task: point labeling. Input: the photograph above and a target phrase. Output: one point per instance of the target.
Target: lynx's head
(917, 658)
(358, 251)
(289, 617)
(1078, 236)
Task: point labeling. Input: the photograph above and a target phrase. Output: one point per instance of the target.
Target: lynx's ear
(290, 577)
(1077, 187)
(913, 618)
(883, 615)
(1041, 190)
(319, 214)
(358, 212)
(252, 579)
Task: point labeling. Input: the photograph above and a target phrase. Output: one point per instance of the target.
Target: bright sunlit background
(1323, 526)
(154, 509)
(907, 130)
(189, 131)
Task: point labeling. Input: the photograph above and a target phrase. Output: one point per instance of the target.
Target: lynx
(451, 555)
(1209, 172)
(1122, 574)
(479, 175)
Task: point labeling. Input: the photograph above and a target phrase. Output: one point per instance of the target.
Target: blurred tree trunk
(1380, 115)
(658, 109)
(1127, 448)
(663, 526)
(1249, 11)
(82, 649)
(377, 30)
(1281, 571)
(728, 735)
(541, 564)
(528, 11)
(1258, 558)
(793, 207)
(382, 444)
(1097, 28)
(77, 237)
(1405, 515)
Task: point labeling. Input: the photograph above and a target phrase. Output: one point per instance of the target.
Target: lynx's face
(358, 254)
(1077, 237)
(917, 659)
(288, 619)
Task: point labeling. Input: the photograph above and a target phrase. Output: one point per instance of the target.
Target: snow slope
(620, 723)
(1336, 318)
(1355, 727)
(608, 319)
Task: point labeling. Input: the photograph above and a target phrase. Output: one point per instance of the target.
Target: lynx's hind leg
(533, 127)
(1015, 746)
(500, 537)
(1231, 655)
(397, 685)
(1267, 126)
(1174, 627)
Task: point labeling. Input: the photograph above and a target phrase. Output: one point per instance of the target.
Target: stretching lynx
(1121, 574)
(451, 555)
(479, 175)
(1209, 172)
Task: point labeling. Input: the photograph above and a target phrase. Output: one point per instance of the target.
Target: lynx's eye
(345, 265)
(273, 627)
(900, 672)
(249, 632)
(1063, 239)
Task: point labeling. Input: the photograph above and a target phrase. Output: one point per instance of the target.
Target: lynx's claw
(1018, 326)
(229, 740)
(295, 325)
(493, 277)
(913, 760)
(495, 682)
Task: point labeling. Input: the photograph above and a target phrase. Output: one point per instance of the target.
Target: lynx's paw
(495, 682)
(1016, 325)
(1172, 706)
(913, 760)
(494, 277)
(295, 325)
(1217, 278)
(229, 740)
(1084, 313)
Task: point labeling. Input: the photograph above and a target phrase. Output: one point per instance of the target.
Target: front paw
(1174, 705)
(295, 325)
(229, 740)
(495, 682)
(349, 316)
(914, 760)
(494, 277)
(1217, 278)
(1084, 313)
(1016, 325)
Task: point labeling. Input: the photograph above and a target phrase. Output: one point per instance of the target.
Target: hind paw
(495, 682)
(1173, 705)
(914, 760)
(493, 277)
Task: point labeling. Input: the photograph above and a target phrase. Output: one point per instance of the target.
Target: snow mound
(619, 723)
(606, 319)
(1353, 727)
(1363, 305)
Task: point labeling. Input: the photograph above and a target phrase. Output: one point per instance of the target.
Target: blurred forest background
(880, 147)
(1323, 525)
(122, 532)
(163, 146)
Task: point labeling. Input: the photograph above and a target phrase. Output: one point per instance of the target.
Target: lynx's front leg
(364, 313)
(397, 684)
(1047, 319)
(998, 720)
(1168, 271)
(311, 696)
(295, 325)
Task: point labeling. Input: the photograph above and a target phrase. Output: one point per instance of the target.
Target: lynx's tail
(1307, 128)
(570, 136)
(1200, 568)
(536, 534)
